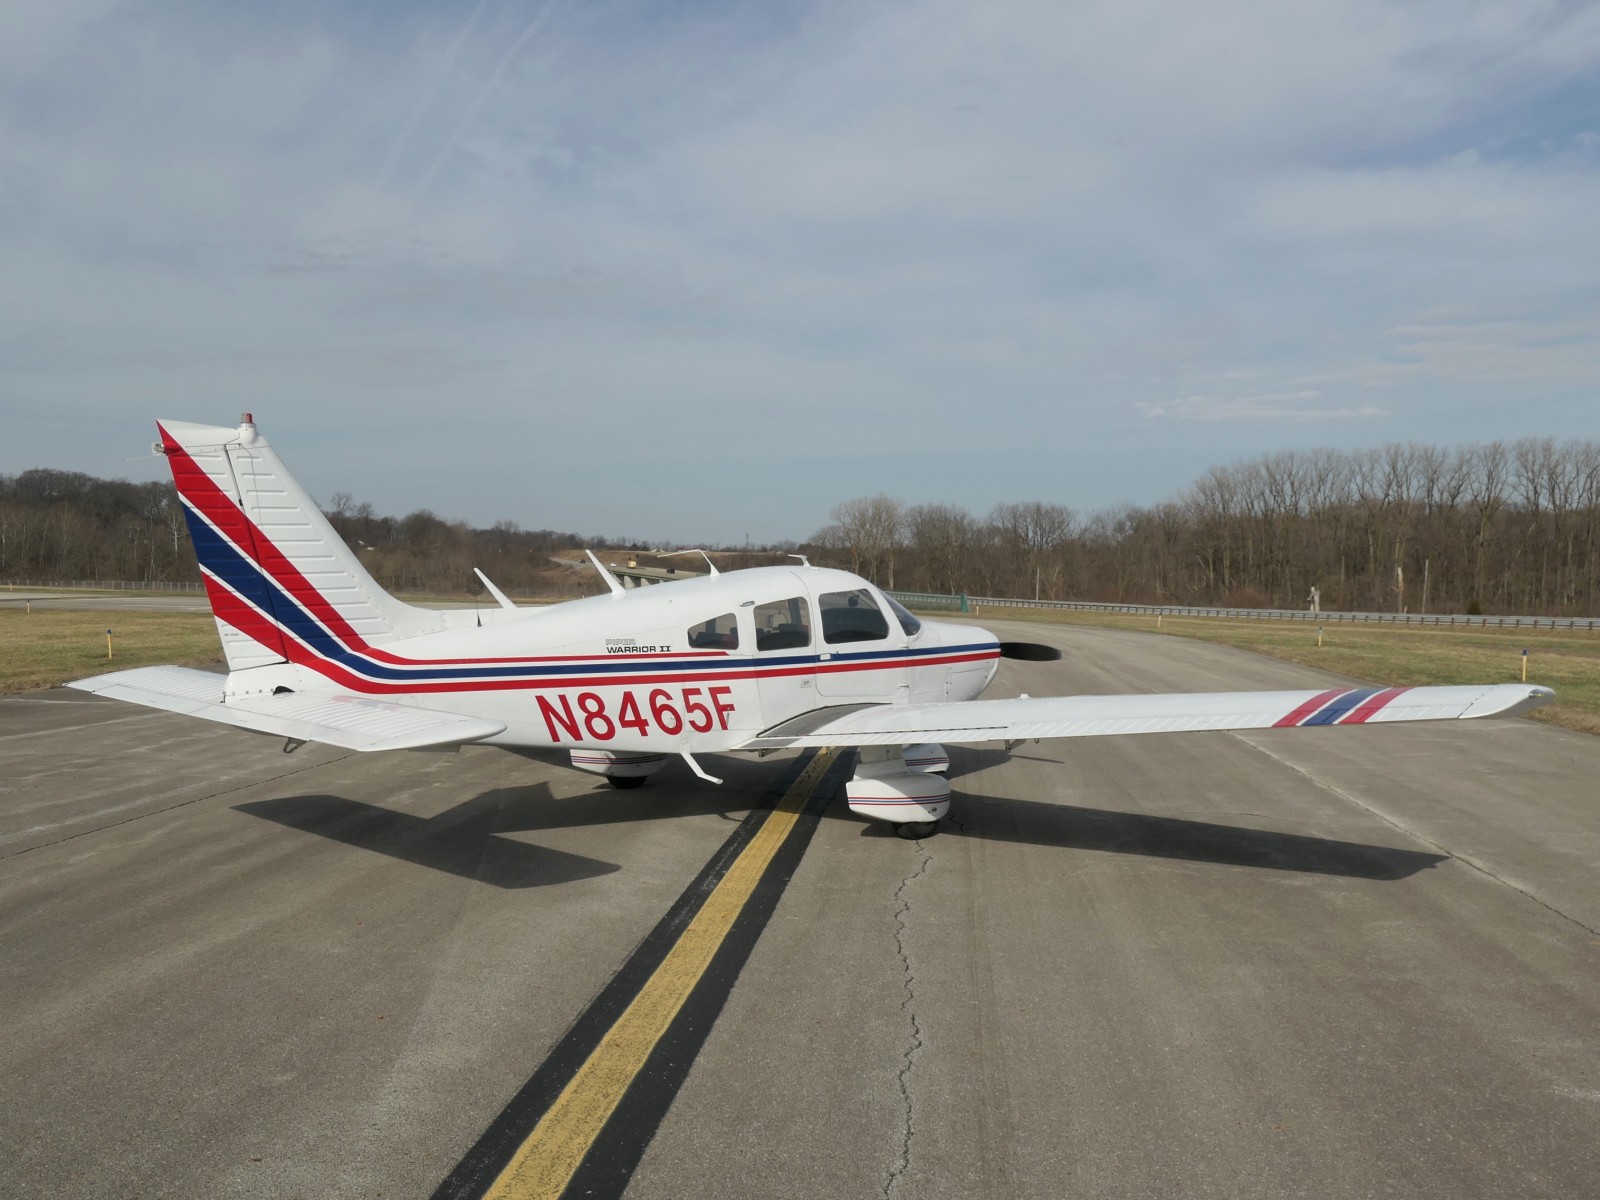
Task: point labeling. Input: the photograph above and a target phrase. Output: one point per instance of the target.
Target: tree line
(67, 525)
(1496, 527)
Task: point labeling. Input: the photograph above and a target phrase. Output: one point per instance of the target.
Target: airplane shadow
(969, 760)
(460, 841)
(1072, 827)
(1076, 827)
(463, 840)
(605, 805)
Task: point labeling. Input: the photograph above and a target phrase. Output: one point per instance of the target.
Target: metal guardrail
(102, 585)
(966, 603)
(927, 600)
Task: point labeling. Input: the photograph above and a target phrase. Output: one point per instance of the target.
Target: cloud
(1443, 348)
(1297, 407)
(620, 234)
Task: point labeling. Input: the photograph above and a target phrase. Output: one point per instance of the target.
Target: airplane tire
(626, 781)
(912, 830)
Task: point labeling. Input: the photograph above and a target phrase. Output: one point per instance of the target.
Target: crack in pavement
(914, 1050)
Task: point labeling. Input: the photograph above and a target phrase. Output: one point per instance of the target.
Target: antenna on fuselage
(701, 553)
(804, 561)
(500, 597)
(612, 581)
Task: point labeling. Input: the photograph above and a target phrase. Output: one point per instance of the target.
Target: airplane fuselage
(705, 662)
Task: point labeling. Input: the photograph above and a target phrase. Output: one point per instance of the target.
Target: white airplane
(752, 660)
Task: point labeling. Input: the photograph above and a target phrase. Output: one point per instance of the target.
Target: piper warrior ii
(752, 660)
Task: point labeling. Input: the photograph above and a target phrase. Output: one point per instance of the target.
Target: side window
(908, 622)
(783, 624)
(719, 633)
(851, 617)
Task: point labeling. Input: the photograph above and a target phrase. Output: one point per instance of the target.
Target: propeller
(1029, 651)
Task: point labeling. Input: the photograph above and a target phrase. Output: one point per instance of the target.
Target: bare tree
(943, 540)
(869, 529)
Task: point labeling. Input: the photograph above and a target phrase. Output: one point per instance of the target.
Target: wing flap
(1030, 717)
(335, 718)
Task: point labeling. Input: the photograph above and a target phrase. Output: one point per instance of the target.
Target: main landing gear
(623, 770)
(901, 785)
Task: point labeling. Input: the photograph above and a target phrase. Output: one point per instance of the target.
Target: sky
(699, 271)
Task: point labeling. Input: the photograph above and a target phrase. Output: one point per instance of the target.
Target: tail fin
(278, 576)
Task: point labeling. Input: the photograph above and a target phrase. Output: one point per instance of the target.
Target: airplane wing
(1030, 717)
(339, 719)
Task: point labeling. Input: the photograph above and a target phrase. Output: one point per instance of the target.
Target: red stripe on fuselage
(1311, 706)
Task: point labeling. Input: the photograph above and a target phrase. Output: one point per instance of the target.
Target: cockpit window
(908, 622)
(783, 624)
(851, 617)
(719, 633)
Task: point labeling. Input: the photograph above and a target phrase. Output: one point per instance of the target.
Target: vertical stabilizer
(279, 578)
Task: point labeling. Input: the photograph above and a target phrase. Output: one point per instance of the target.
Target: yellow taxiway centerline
(545, 1163)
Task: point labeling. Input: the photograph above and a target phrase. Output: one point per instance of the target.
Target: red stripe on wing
(1319, 701)
(1366, 711)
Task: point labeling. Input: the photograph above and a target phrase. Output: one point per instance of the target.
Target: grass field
(47, 647)
(1393, 654)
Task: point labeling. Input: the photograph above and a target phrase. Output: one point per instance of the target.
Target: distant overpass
(634, 576)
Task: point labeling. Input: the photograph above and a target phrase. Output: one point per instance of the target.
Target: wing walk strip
(582, 1123)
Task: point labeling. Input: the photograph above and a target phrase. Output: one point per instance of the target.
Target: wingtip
(1510, 700)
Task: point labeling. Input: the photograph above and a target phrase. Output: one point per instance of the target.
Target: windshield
(909, 623)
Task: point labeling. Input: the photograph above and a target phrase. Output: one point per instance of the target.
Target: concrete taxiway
(1336, 962)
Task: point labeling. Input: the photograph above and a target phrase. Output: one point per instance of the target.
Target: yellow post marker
(1524, 666)
(1319, 637)
(108, 643)
(1158, 620)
